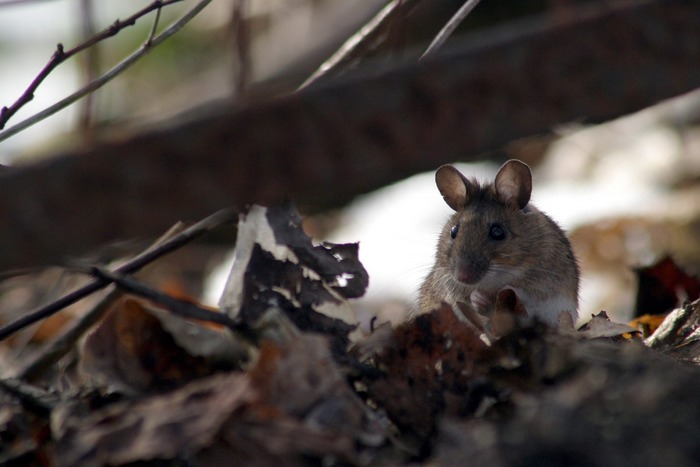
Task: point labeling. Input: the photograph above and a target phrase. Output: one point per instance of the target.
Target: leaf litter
(293, 381)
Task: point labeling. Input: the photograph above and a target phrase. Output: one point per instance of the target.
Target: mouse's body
(496, 240)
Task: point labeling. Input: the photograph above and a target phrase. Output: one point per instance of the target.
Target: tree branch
(360, 42)
(176, 306)
(321, 147)
(206, 225)
(60, 345)
(450, 27)
(61, 55)
(239, 30)
(110, 75)
(90, 66)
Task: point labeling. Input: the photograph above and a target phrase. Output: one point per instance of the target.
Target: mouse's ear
(514, 183)
(453, 186)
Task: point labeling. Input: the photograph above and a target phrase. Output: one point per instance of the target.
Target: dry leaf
(166, 426)
(663, 287)
(132, 351)
(23, 436)
(647, 324)
(273, 251)
(277, 266)
(601, 326)
(301, 380)
(282, 441)
(428, 357)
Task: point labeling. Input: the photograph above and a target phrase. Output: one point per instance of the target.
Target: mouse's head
(484, 241)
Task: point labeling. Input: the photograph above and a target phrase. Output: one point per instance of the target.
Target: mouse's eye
(496, 232)
(454, 230)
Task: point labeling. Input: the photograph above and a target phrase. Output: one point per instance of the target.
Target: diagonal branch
(451, 25)
(182, 308)
(61, 55)
(110, 75)
(65, 342)
(206, 225)
(363, 40)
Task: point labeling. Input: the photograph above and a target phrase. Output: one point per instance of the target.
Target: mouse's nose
(469, 272)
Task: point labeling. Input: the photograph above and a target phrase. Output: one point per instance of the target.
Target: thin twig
(176, 306)
(61, 55)
(359, 42)
(135, 264)
(110, 75)
(156, 20)
(240, 38)
(58, 347)
(90, 65)
(450, 27)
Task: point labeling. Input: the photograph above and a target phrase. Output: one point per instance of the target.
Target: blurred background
(627, 191)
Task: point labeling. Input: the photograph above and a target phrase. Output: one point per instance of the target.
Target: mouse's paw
(480, 301)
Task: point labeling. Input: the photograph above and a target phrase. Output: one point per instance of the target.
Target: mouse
(497, 240)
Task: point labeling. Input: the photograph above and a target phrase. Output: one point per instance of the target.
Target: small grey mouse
(496, 240)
